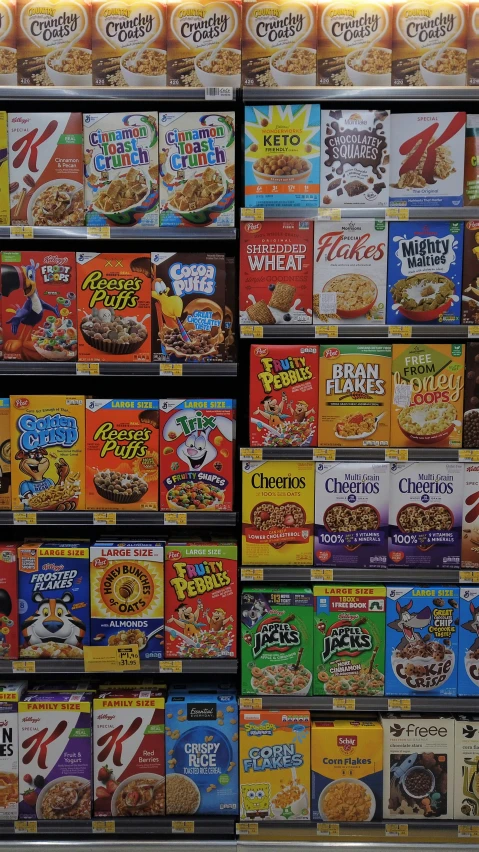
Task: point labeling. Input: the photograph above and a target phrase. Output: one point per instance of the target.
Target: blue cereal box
(424, 272)
(468, 669)
(201, 743)
(421, 640)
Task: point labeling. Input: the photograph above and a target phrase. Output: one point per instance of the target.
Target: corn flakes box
(279, 43)
(9, 618)
(10, 695)
(278, 513)
(8, 46)
(48, 448)
(346, 770)
(354, 395)
(275, 777)
(53, 43)
(354, 43)
(4, 189)
(129, 43)
(468, 669)
(204, 43)
(429, 43)
(5, 456)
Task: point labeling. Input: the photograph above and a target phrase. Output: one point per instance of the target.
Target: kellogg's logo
(23, 402)
(332, 353)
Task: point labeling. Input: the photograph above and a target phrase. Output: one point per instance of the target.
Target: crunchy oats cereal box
(354, 43)
(429, 43)
(354, 395)
(470, 515)
(48, 452)
(278, 513)
(197, 168)
(279, 43)
(9, 649)
(275, 777)
(53, 43)
(8, 44)
(5, 457)
(129, 43)
(45, 165)
(468, 670)
(4, 187)
(204, 43)
(471, 162)
(473, 44)
(10, 695)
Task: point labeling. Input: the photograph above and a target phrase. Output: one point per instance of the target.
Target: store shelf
(202, 826)
(355, 834)
(165, 233)
(417, 213)
(310, 574)
(369, 704)
(44, 368)
(63, 667)
(97, 93)
(140, 519)
(353, 454)
(116, 843)
(290, 331)
(384, 94)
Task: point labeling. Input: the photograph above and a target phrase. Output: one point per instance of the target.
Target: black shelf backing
(141, 519)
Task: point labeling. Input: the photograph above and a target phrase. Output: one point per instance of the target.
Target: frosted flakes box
(204, 43)
(9, 618)
(354, 43)
(279, 43)
(5, 455)
(53, 43)
(429, 43)
(10, 695)
(4, 186)
(470, 515)
(129, 43)
(8, 45)
(468, 669)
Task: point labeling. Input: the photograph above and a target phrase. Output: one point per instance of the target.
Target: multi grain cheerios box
(204, 43)
(275, 777)
(279, 44)
(466, 750)
(470, 516)
(429, 43)
(129, 43)
(10, 695)
(8, 45)
(53, 43)
(5, 455)
(468, 669)
(354, 43)
(4, 187)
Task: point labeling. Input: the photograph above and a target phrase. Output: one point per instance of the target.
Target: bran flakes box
(204, 43)
(53, 43)
(4, 187)
(5, 455)
(10, 695)
(8, 46)
(129, 43)
(468, 670)
(470, 514)
(354, 43)
(279, 43)
(466, 751)
(429, 43)
(9, 619)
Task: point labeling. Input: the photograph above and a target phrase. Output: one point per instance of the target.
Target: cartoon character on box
(468, 673)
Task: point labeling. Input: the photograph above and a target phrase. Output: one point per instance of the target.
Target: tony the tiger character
(54, 624)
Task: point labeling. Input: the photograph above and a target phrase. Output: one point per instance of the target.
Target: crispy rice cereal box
(48, 453)
(204, 43)
(129, 43)
(347, 770)
(282, 148)
(354, 394)
(45, 166)
(275, 777)
(354, 43)
(283, 396)
(276, 279)
(196, 455)
(429, 43)
(466, 750)
(279, 43)
(471, 161)
(121, 169)
(8, 602)
(4, 188)
(278, 513)
(277, 640)
(470, 515)
(5, 455)
(8, 44)
(53, 43)
(427, 394)
(122, 454)
(468, 670)
(10, 695)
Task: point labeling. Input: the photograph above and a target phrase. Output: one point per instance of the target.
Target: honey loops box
(120, 153)
(5, 455)
(129, 43)
(429, 43)
(471, 161)
(354, 43)
(10, 695)
(468, 668)
(470, 515)
(279, 44)
(45, 167)
(4, 186)
(9, 620)
(48, 453)
(53, 43)
(197, 168)
(204, 43)
(275, 777)
(282, 155)
(283, 396)
(8, 45)
(466, 750)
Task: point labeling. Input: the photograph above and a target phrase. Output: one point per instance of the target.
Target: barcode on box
(219, 93)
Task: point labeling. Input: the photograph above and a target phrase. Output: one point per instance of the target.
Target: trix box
(468, 669)
(8, 602)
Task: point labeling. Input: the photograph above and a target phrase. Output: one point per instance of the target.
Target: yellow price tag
(251, 454)
(171, 369)
(324, 454)
(344, 703)
(325, 330)
(21, 232)
(394, 454)
(468, 830)
(28, 518)
(402, 331)
(469, 577)
(103, 826)
(175, 519)
(25, 826)
(247, 828)
(87, 369)
(396, 214)
(252, 214)
(170, 666)
(473, 331)
(396, 829)
(331, 215)
(329, 828)
(23, 666)
(104, 518)
(399, 704)
(100, 232)
(109, 658)
(251, 703)
(182, 826)
(322, 574)
(256, 574)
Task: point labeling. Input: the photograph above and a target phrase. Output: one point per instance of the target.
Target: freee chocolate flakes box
(470, 282)
(10, 695)
(470, 438)
(471, 162)
(53, 43)
(354, 43)
(470, 515)
(466, 751)
(204, 43)
(129, 43)
(279, 43)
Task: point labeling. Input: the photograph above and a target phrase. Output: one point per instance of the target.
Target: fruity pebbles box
(468, 671)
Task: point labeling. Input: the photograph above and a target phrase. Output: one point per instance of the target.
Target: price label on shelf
(251, 454)
(395, 454)
(25, 518)
(170, 666)
(325, 330)
(103, 826)
(171, 369)
(344, 703)
(247, 828)
(396, 829)
(251, 703)
(98, 232)
(396, 214)
(251, 331)
(87, 369)
(469, 577)
(468, 455)
(104, 519)
(111, 658)
(256, 574)
(182, 826)
(324, 454)
(322, 574)
(468, 830)
(473, 330)
(400, 331)
(399, 704)
(23, 666)
(25, 826)
(219, 93)
(332, 215)
(329, 828)
(252, 214)
(21, 232)
(175, 519)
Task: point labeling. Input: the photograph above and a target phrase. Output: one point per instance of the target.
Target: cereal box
(470, 280)
(429, 43)
(4, 186)
(114, 307)
(277, 640)
(473, 44)
(466, 750)
(129, 43)
(468, 669)
(471, 396)
(55, 765)
(129, 753)
(350, 271)
(8, 45)
(231, 310)
(278, 513)
(470, 515)
(351, 514)
(5, 459)
(282, 147)
(283, 396)
(53, 43)
(197, 166)
(44, 326)
(8, 602)
(427, 158)
(275, 778)
(204, 43)
(347, 770)
(276, 278)
(197, 454)
(424, 272)
(354, 394)
(354, 43)
(121, 168)
(188, 306)
(355, 146)
(127, 592)
(10, 695)
(48, 453)
(471, 161)
(45, 165)
(279, 43)
(427, 394)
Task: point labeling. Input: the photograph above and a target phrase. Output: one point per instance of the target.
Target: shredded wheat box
(10, 695)
(466, 749)
(354, 43)
(429, 43)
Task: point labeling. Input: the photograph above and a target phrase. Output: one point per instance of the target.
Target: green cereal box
(349, 640)
(277, 640)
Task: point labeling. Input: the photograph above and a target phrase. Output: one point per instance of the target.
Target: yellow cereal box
(5, 474)
(354, 395)
(53, 43)
(204, 43)
(354, 43)
(129, 42)
(278, 513)
(8, 44)
(4, 189)
(429, 42)
(48, 453)
(279, 43)
(275, 780)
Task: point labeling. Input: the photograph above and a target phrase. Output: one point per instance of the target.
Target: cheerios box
(10, 695)
(468, 668)
(275, 777)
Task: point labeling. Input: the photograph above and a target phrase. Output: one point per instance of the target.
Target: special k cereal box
(4, 190)
(8, 44)
(354, 43)
(279, 43)
(129, 43)
(48, 453)
(122, 454)
(10, 695)
(8, 603)
(429, 43)
(53, 43)
(283, 396)
(5, 456)
(204, 43)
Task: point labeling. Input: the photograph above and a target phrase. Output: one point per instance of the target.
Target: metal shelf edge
(144, 519)
(28, 368)
(360, 93)
(301, 332)
(89, 93)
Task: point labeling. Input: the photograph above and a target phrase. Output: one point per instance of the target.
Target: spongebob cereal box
(5, 460)
(275, 781)
(48, 453)
(204, 43)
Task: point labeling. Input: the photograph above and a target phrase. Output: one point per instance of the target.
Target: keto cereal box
(470, 285)
(121, 169)
(275, 777)
(276, 279)
(354, 43)
(468, 669)
(5, 456)
(277, 640)
(347, 770)
(424, 272)
(471, 161)
(466, 750)
(282, 148)
(4, 187)
(53, 43)
(350, 271)
(45, 167)
(129, 43)
(427, 158)
(470, 515)
(278, 513)
(279, 44)
(283, 396)
(204, 43)
(48, 453)
(38, 304)
(197, 455)
(8, 46)
(8, 603)
(429, 43)
(10, 695)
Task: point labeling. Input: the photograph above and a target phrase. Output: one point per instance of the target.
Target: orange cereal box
(129, 43)
(279, 43)
(204, 43)
(53, 43)
(429, 43)
(122, 454)
(354, 43)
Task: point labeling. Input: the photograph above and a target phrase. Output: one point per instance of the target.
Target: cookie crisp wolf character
(53, 621)
(197, 450)
(408, 621)
(473, 625)
(255, 801)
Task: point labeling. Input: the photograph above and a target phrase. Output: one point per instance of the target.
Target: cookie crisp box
(468, 668)
(10, 695)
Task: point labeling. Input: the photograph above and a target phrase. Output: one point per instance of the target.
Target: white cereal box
(10, 695)
(466, 791)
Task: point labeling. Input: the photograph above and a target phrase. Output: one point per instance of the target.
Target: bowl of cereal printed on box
(444, 66)
(369, 66)
(68, 797)
(200, 193)
(347, 800)
(291, 801)
(139, 795)
(219, 67)
(69, 67)
(282, 168)
(125, 192)
(57, 202)
(8, 66)
(355, 294)
(424, 297)
(427, 423)
(144, 66)
(294, 66)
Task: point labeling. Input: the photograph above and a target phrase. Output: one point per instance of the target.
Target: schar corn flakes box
(5, 455)
(275, 778)
(468, 669)
(10, 695)
(48, 452)
(4, 190)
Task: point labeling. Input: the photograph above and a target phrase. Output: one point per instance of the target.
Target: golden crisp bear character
(255, 800)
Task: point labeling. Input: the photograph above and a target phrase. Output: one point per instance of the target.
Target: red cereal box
(283, 398)
(8, 602)
(200, 600)
(196, 455)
